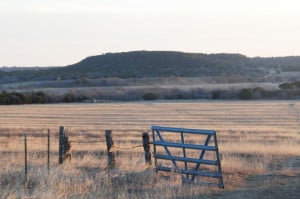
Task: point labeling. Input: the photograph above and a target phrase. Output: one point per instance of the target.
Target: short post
(48, 159)
(146, 145)
(25, 146)
(61, 144)
(110, 152)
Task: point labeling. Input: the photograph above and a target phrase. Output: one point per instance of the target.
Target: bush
(216, 94)
(149, 96)
(4, 99)
(69, 98)
(297, 84)
(39, 98)
(286, 86)
(11, 98)
(245, 94)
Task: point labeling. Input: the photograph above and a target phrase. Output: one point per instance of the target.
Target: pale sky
(63, 32)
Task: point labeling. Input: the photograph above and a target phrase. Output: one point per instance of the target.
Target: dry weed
(252, 137)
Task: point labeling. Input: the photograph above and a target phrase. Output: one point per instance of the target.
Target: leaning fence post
(61, 145)
(146, 145)
(25, 146)
(110, 144)
(48, 159)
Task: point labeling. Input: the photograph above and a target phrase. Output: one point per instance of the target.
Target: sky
(63, 32)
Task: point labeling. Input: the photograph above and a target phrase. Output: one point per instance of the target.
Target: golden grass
(251, 135)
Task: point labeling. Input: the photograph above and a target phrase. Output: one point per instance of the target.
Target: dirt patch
(283, 183)
(268, 186)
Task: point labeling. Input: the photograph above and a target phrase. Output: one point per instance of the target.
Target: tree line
(15, 98)
(155, 93)
(140, 64)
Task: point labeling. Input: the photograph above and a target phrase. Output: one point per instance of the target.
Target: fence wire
(43, 142)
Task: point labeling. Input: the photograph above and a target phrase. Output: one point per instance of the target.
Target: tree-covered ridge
(158, 64)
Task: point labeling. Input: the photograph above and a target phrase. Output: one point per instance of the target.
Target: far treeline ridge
(140, 64)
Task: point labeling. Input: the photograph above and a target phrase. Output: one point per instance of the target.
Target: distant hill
(138, 64)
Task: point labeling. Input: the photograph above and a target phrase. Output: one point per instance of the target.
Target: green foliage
(258, 93)
(245, 94)
(10, 98)
(138, 64)
(290, 85)
(216, 94)
(69, 97)
(149, 96)
(286, 86)
(297, 84)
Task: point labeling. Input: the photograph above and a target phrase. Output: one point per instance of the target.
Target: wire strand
(79, 142)
(127, 148)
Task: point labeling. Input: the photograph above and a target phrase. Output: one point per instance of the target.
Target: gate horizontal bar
(187, 146)
(183, 130)
(193, 172)
(182, 159)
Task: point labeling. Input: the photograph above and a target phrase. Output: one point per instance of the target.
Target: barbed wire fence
(65, 143)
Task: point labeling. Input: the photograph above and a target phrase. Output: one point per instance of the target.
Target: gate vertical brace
(167, 150)
(201, 155)
(221, 183)
(184, 154)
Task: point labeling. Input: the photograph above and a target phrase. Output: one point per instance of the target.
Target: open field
(258, 141)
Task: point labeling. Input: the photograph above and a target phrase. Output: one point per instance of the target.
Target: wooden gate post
(110, 152)
(146, 145)
(61, 144)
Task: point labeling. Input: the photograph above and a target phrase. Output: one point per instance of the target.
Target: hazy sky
(62, 32)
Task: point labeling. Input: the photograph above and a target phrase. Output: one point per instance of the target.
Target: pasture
(258, 141)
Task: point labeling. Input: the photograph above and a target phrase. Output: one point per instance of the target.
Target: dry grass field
(258, 141)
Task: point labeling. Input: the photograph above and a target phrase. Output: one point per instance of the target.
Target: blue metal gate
(178, 150)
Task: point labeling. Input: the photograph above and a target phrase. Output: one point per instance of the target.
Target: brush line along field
(258, 142)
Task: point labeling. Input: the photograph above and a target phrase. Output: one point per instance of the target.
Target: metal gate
(192, 153)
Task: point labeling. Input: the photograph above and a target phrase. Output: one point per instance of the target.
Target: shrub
(38, 100)
(245, 94)
(286, 86)
(69, 98)
(149, 96)
(297, 84)
(216, 94)
(9, 98)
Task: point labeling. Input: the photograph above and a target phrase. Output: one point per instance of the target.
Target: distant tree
(216, 94)
(4, 99)
(286, 86)
(9, 98)
(69, 97)
(149, 96)
(296, 84)
(245, 94)
(38, 100)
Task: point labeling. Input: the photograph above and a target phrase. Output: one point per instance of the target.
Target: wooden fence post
(146, 145)
(110, 152)
(25, 146)
(48, 159)
(61, 144)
